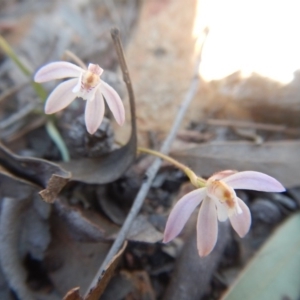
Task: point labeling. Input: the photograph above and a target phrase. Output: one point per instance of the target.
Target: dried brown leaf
(35, 233)
(143, 231)
(119, 287)
(73, 294)
(278, 159)
(33, 171)
(55, 185)
(71, 263)
(79, 227)
(104, 279)
(104, 169)
(130, 285)
(13, 186)
(112, 210)
(143, 287)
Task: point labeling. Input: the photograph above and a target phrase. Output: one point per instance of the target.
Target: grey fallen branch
(153, 169)
(26, 110)
(259, 126)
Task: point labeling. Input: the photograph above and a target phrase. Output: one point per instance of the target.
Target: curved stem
(195, 180)
(171, 160)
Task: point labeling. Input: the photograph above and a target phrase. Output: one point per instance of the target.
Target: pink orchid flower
(85, 84)
(219, 202)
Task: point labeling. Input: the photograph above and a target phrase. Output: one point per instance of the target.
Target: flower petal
(207, 227)
(114, 102)
(221, 211)
(251, 180)
(90, 95)
(94, 111)
(181, 213)
(95, 69)
(222, 174)
(61, 96)
(241, 222)
(77, 87)
(57, 70)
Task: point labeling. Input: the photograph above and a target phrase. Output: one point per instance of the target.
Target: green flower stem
(195, 180)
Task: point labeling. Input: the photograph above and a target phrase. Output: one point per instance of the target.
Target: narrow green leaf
(57, 139)
(41, 92)
(12, 55)
(274, 273)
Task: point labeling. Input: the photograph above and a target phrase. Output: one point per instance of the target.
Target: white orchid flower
(85, 84)
(219, 202)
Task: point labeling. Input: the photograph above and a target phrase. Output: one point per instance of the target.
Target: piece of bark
(278, 159)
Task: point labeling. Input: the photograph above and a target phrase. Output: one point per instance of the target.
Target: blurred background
(245, 116)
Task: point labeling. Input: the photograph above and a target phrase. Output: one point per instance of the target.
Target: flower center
(220, 190)
(89, 80)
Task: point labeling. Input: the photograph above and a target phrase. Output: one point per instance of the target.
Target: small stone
(173, 248)
(159, 180)
(285, 201)
(158, 221)
(242, 195)
(266, 211)
(295, 193)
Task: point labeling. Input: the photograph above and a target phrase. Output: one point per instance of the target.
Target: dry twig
(252, 125)
(153, 169)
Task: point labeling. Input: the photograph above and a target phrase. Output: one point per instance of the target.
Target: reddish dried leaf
(55, 185)
(73, 294)
(103, 280)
